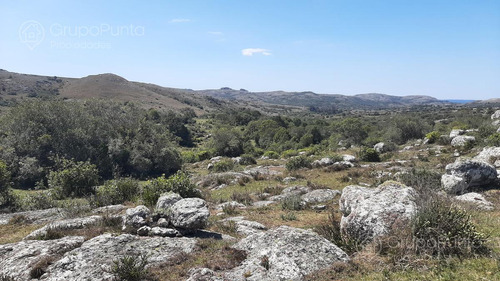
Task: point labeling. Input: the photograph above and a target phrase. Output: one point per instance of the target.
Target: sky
(445, 49)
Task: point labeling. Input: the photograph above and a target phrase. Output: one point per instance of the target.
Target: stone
(166, 201)
(476, 199)
(203, 274)
(495, 115)
(233, 204)
(460, 141)
(323, 162)
(379, 147)
(318, 207)
(368, 213)
(162, 222)
(135, 217)
(263, 203)
(109, 210)
(289, 179)
(34, 217)
(290, 191)
(164, 232)
(456, 132)
(189, 214)
(319, 195)
(489, 155)
(143, 230)
(461, 176)
(67, 224)
(349, 158)
(17, 259)
(266, 171)
(245, 227)
(284, 253)
(93, 260)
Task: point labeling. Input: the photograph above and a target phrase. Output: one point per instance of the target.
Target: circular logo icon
(31, 33)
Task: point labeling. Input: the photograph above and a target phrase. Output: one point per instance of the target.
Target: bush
(271, 154)
(247, 160)
(494, 140)
(178, 183)
(227, 142)
(4, 179)
(35, 201)
(117, 191)
(433, 136)
(74, 179)
(293, 203)
(331, 231)
(223, 165)
(289, 153)
(369, 155)
(131, 268)
(421, 179)
(298, 163)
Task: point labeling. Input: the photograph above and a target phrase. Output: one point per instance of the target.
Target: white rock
(476, 199)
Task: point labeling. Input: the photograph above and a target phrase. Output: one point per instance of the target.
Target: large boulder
(319, 195)
(94, 259)
(189, 214)
(17, 260)
(368, 213)
(380, 147)
(136, 217)
(490, 155)
(167, 200)
(323, 162)
(460, 141)
(284, 253)
(495, 115)
(461, 176)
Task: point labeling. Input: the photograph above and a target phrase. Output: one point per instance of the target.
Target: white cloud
(217, 33)
(179, 20)
(250, 51)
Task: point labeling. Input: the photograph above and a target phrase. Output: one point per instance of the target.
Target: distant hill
(15, 86)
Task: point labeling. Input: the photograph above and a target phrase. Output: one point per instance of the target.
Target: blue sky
(446, 49)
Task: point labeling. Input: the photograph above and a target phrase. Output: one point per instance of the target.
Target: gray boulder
(290, 191)
(94, 259)
(284, 253)
(477, 200)
(380, 147)
(164, 232)
(18, 259)
(368, 213)
(489, 155)
(166, 200)
(323, 162)
(136, 217)
(319, 195)
(456, 132)
(245, 227)
(349, 158)
(461, 176)
(495, 115)
(460, 141)
(189, 214)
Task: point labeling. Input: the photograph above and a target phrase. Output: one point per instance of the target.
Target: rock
(18, 259)
(289, 179)
(342, 165)
(167, 200)
(290, 191)
(34, 217)
(322, 163)
(162, 222)
(460, 141)
(477, 200)
(319, 195)
(379, 147)
(495, 115)
(349, 158)
(202, 274)
(233, 204)
(68, 224)
(164, 232)
(318, 207)
(109, 210)
(210, 166)
(496, 123)
(135, 217)
(456, 132)
(215, 159)
(189, 214)
(489, 155)
(263, 203)
(461, 176)
(143, 230)
(94, 259)
(245, 227)
(266, 171)
(284, 253)
(368, 213)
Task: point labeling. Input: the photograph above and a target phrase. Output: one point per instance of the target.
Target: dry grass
(12, 233)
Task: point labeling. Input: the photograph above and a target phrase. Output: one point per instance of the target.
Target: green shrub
(293, 203)
(421, 179)
(289, 153)
(298, 163)
(35, 201)
(433, 136)
(271, 154)
(74, 179)
(203, 155)
(494, 140)
(369, 155)
(189, 157)
(4, 178)
(131, 268)
(178, 183)
(223, 165)
(247, 160)
(117, 191)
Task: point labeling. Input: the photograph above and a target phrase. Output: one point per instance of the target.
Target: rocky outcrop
(284, 253)
(245, 227)
(291, 191)
(456, 132)
(18, 260)
(94, 259)
(34, 217)
(495, 115)
(189, 214)
(68, 224)
(167, 200)
(319, 195)
(490, 155)
(372, 212)
(135, 218)
(380, 147)
(460, 141)
(477, 200)
(461, 176)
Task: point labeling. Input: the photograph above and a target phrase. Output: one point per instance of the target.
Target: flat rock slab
(34, 217)
(245, 227)
(284, 253)
(94, 259)
(68, 224)
(319, 195)
(17, 259)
